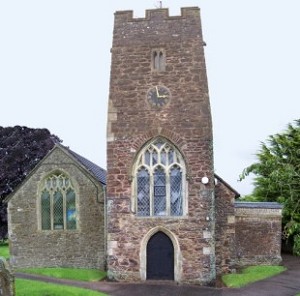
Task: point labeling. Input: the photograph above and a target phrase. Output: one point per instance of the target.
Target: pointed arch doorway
(160, 257)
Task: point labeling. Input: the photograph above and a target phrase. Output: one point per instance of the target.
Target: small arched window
(159, 180)
(158, 60)
(58, 203)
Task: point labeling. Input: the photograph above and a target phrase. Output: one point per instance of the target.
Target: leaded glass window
(143, 191)
(159, 180)
(176, 191)
(159, 192)
(46, 216)
(58, 203)
(58, 210)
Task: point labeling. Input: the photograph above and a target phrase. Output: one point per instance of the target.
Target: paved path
(284, 284)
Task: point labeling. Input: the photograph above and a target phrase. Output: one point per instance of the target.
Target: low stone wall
(7, 280)
(257, 233)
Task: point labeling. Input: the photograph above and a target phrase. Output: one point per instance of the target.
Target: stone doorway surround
(177, 253)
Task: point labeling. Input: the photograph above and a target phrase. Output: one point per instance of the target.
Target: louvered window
(159, 180)
(58, 203)
(158, 60)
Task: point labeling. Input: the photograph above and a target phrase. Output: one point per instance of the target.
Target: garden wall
(257, 233)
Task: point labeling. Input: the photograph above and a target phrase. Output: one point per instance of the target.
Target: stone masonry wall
(258, 234)
(185, 121)
(32, 247)
(7, 279)
(225, 228)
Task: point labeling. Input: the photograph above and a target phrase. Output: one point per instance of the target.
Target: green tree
(277, 177)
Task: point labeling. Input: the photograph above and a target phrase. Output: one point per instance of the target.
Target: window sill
(59, 230)
(163, 217)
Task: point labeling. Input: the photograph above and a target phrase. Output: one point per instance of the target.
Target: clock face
(158, 96)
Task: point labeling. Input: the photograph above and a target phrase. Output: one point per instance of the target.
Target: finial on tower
(159, 4)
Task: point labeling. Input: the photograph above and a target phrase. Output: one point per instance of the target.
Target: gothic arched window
(58, 203)
(159, 180)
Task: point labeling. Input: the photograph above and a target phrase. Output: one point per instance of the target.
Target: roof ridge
(98, 172)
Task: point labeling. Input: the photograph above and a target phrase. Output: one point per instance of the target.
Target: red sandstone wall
(185, 121)
(225, 228)
(258, 236)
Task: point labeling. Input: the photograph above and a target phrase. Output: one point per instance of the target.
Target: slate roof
(98, 172)
(258, 205)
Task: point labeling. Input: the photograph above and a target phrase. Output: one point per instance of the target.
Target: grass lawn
(35, 288)
(86, 275)
(65, 273)
(4, 251)
(250, 275)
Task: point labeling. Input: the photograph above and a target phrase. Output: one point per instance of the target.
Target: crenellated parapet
(154, 14)
(157, 27)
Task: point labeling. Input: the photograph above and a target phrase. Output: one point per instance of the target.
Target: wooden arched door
(160, 257)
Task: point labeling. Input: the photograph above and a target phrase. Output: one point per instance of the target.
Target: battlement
(160, 13)
(157, 27)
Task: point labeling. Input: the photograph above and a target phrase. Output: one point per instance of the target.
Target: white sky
(55, 66)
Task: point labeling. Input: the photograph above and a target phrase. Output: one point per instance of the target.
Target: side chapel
(166, 215)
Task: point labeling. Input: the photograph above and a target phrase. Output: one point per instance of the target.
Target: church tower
(160, 180)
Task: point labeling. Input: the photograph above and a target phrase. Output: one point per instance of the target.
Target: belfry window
(159, 180)
(158, 60)
(58, 203)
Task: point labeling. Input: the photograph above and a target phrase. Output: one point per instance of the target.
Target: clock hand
(157, 93)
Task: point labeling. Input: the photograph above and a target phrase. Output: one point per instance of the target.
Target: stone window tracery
(58, 203)
(158, 60)
(159, 181)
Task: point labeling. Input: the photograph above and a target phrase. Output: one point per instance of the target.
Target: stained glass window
(160, 180)
(71, 209)
(58, 203)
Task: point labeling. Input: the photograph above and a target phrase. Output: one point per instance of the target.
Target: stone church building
(159, 212)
